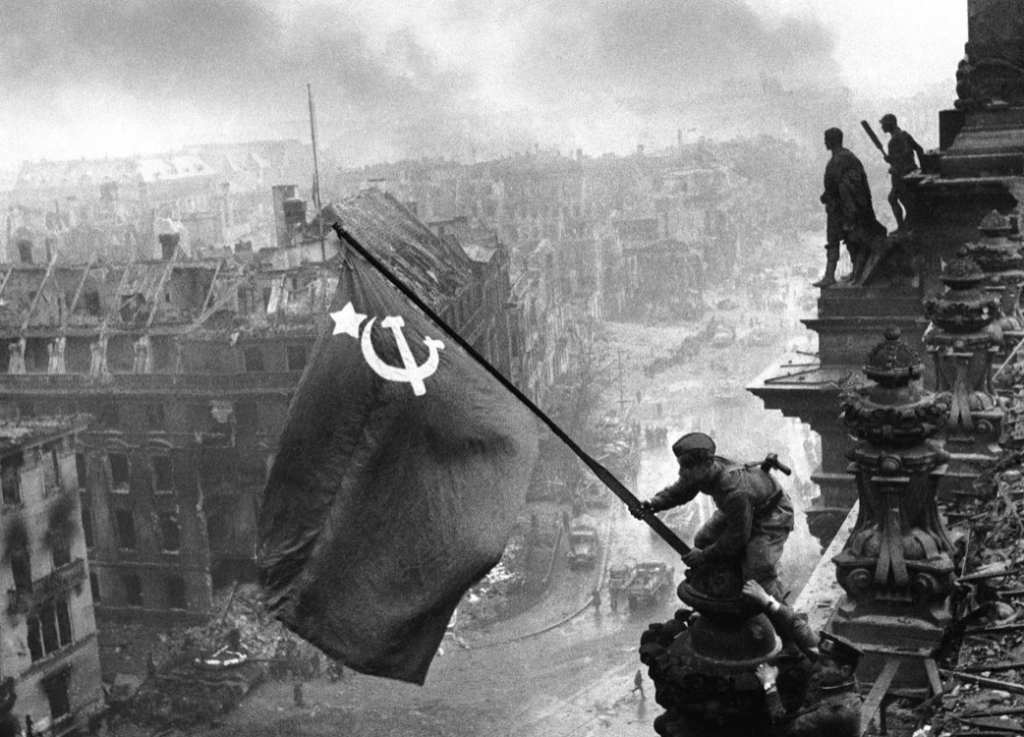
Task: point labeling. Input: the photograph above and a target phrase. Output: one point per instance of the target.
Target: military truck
(647, 583)
(583, 544)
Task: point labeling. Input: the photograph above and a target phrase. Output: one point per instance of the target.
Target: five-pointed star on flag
(347, 321)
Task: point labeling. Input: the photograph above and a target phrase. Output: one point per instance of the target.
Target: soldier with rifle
(900, 159)
(754, 516)
(850, 214)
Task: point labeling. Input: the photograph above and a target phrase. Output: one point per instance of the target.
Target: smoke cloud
(117, 76)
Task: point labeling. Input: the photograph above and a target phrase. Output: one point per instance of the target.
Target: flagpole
(602, 473)
(316, 172)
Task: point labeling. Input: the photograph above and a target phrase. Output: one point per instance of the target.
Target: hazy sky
(411, 77)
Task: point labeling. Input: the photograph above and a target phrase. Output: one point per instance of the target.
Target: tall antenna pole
(316, 173)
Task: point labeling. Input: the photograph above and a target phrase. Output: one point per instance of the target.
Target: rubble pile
(982, 662)
(181, 690)
(491, 599)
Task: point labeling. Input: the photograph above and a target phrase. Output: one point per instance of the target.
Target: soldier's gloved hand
(642, 510)
(695, 558)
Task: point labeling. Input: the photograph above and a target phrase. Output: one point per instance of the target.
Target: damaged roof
(25, 432)
(434, 268)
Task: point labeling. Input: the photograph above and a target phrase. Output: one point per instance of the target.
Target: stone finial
(892, 362)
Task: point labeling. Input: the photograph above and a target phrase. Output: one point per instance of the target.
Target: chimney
(282, 192)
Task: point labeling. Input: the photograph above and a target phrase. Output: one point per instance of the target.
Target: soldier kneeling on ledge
(754, 515)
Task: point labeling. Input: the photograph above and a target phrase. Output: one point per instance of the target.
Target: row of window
(124, 525)
(295, 358)
(120, 473)
(174, 591)
(49, 630)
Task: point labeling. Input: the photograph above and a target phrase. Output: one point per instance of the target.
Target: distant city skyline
(446, 78)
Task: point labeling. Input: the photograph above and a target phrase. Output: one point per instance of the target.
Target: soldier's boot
(830, 269)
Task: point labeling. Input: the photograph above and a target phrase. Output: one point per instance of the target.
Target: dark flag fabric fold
(400, 473)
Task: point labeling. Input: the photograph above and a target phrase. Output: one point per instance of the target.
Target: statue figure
(754, 516)
(143, 363)
(902, 148)
(16, 364)
(55, 351)
(831, 705)
(850, 214)
(98, 357)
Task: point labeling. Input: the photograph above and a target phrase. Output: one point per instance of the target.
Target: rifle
(873, 137)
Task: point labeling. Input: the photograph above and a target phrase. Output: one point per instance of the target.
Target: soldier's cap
(694, 447)
(838, 648)
(888, 118)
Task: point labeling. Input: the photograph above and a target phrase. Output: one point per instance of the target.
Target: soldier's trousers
(762, 555)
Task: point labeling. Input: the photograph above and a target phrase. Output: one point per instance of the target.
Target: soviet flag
(400, 472)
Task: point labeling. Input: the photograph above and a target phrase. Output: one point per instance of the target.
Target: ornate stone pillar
(703, 662)
(1000, 256)
(963, 338)
(896, 568)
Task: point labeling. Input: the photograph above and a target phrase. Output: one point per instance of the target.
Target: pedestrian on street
(297, 694)
(638, 684)
(596, 595)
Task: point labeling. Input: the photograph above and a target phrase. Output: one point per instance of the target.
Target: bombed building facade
(49, 645)
(185, 368)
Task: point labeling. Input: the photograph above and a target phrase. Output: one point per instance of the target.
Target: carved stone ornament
(894, 411)
(899, 551)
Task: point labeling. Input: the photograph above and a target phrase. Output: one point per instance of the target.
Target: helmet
(888, 118)
(694, 448)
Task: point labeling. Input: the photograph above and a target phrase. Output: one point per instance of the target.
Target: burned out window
(118, 472)
(60, 549)
(25, 251)
(176, 598)
(132, 589)
(155, 418)
(20, 560)
(82, 470)
(125, 522)
(90, 302)
(253, 360)
(10, 478)
(49, 629)
(94, 588)
(170, 533)
(57, 688)
(51, 470)
(163, 475)
(296, 355)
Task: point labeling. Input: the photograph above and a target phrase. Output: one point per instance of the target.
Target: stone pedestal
(702, 663)
(963, 339)
(896, 567)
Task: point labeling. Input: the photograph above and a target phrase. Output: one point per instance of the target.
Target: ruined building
(48, 645)
(186, 367)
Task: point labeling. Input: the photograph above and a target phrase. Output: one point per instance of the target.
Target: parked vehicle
(583, 545)
(648, 582)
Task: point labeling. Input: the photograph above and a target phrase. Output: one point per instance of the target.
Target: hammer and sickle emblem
(411, 372)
